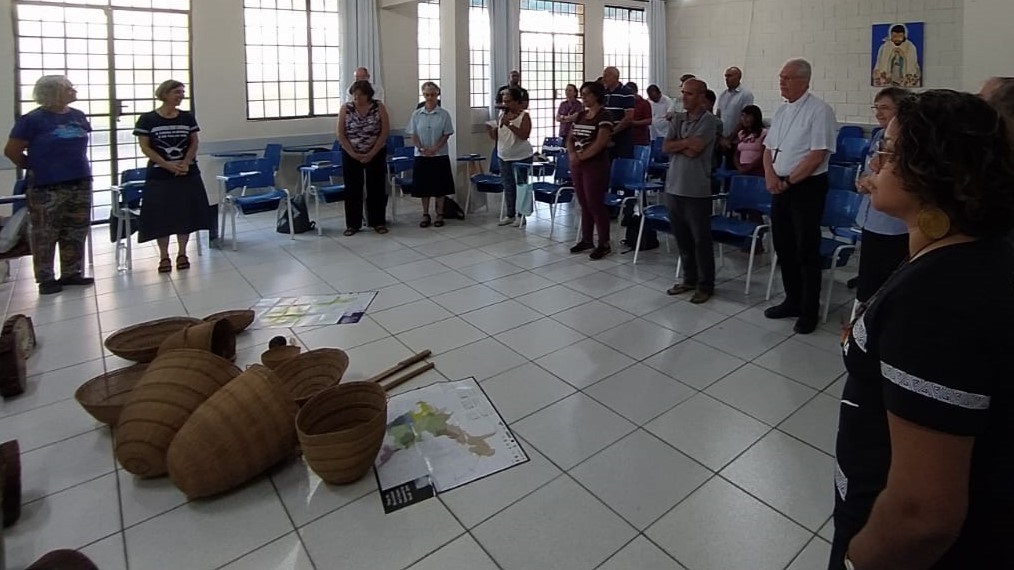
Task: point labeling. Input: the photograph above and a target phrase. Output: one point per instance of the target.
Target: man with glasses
(796, 155)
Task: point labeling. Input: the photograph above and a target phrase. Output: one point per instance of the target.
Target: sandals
(439, 223)
(381, 230)
(165, 265)
(182, 262)
(425, 223)
(351, 232)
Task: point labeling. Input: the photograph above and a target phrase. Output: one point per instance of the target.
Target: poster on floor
(897, 54)
(311, 310)
(440, 437)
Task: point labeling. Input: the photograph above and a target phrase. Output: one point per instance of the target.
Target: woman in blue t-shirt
(174, 201)
(51, 144)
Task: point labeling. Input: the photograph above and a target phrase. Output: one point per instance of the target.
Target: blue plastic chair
(746, 193)
(555, 147)
(394, 142)
(126, 208)
(658, 167)
(654, 218)
(840, 177)
(491, 183)
(851, 151)
(643, 154)
(559, 191)
(840, 210)
(398, 165)
(245, 175)
(319, 171)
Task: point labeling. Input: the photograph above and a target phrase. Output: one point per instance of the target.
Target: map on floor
(311, 310)
(440, 437)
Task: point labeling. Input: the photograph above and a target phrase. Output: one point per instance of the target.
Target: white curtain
(360, 41)
(658, 70)
(504, 35)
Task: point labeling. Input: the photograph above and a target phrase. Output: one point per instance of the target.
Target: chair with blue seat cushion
(488, 183)
(399, 165)
(842, 177)
(319, 171)
(559, 191)
(394, 142)
(840, 210)
(658, 167)
(746, 194)
(245, 175)
(850, 151)
(125, 204)
(643, 154)
(655, 217)
(627, 175)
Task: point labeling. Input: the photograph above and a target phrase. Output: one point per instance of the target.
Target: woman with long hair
(588, 154)
(748, 156)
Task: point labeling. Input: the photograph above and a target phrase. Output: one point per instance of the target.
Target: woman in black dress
(174, 200)
(925, 453)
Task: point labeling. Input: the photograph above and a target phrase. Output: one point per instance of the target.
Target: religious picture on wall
(897, 55)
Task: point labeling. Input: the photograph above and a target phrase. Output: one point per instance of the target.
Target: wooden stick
(401, 365)
(399, 380)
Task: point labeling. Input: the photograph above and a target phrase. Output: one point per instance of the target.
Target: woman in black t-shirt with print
(587, 151)
(174, 200)
(925, 453)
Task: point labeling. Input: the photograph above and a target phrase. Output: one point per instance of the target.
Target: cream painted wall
(987, 49)
(706, 36)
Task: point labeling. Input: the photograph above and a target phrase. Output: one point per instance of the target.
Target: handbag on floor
(301, 222)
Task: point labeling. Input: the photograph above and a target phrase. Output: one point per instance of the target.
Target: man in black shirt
(513, 81)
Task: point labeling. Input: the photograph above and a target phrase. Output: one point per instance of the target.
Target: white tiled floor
(661, 434)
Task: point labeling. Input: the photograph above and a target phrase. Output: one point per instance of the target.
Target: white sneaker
(506, 221)
(520, 222)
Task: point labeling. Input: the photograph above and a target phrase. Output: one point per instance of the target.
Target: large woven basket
(275, 357)
(341, 430)
(244, 428)
(239, 319)
(140, 342)
(217, 337)
(64, 559)
(104, 396)
(309, 373)
(174, 385)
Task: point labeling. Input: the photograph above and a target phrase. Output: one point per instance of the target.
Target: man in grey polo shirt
(797, 150)
(691, 142)
(730, 105)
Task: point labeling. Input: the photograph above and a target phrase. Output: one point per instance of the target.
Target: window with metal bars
(292, 58)
(625, 39)
(429, 43)
(479, 54)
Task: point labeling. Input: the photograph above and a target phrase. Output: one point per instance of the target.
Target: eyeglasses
(879, 154)
(882, 107)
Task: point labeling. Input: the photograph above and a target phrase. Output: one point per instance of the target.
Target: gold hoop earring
(933, 223)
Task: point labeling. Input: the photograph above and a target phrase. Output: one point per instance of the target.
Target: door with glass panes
(115, 52)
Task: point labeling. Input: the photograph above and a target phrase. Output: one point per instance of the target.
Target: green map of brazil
(409, 428)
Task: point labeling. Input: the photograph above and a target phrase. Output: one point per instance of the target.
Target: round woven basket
(174, 385)
(235, 435)
(341, 430)
(64, 559)
(274, 357)
(10, 494)
(239, 319)
(217, 337)
(309, 373)
(104, 396)
(140, 342)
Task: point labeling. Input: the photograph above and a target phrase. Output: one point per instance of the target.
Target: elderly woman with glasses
(885, 238)
(51, 144)
(925, 450)
(429, 128)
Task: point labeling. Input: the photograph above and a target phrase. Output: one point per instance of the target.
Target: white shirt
(511, 147)
(730, 105)
(806, 124)
(659, 124)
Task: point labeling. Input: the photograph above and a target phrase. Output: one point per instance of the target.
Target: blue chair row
(318, 173)
(851, 150)
(246, 175)
(559, 191)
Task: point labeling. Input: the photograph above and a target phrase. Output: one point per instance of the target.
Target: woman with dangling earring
(925, 445)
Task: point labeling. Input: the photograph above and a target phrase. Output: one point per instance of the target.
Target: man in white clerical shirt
(660, 105)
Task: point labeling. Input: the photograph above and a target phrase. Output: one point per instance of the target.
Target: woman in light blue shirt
(429, 128)
(885, 238)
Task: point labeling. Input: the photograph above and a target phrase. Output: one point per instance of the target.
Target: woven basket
(63, 560)
(244, 428)
(217, 337)
(174, 385)
(140, 342)
(10, 459)
(274, 357)
(239, 319)
(312, 371)
(103, 396)
(341, 430)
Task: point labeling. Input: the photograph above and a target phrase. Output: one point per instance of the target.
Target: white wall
(987, 49)
(706, 36)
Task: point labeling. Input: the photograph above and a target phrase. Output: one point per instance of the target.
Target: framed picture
(897, 54)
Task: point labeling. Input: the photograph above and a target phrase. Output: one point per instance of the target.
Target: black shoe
(600, 252)
(50, 287)
(582, 246)
(805, 325)
(782, 311)
(77, 279)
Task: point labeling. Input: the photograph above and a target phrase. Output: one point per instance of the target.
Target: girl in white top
(512, 144)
